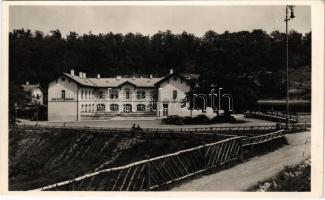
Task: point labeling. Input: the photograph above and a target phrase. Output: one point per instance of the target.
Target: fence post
(148, 173)
(241, 151)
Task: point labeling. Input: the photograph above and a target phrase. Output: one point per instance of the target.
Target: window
(62, 94)
(113, 94)
(127, 94)
(127, 108)
(90, 94)
(114, 107)
(152, 107)
(86, 93)
(86, 108)
(165, 109)
(141, 94)
(82, 108)
(100, 107)
(141, 107)
(93, 108)
(89, 108)
(153, 95)
(174, 94)
(82, 94)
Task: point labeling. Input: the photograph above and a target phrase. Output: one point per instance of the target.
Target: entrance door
(165, 109)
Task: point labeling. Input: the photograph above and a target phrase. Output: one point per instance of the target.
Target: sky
(148, 20)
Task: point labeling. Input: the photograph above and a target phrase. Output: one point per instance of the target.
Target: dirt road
(149, 123)
(243, 176)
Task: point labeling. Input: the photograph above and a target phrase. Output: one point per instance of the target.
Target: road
(150, 123)
(243, 176)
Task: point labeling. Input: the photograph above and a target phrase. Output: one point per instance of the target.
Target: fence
(160, 131)
(262, 138)
(155, 172)
(272, 116)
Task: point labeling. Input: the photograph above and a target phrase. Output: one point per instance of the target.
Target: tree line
(248, 64)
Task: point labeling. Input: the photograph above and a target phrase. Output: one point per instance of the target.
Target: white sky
(151, 19)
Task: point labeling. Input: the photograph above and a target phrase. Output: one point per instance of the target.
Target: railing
(262, 138)
(252, 129)
(155, 172)
(274, 116)
(299, 126)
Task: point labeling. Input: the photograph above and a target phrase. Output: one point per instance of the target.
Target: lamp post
(287, 18)
(219, 95)
(108, 97)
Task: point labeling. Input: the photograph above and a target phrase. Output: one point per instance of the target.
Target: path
(243, 176)
(150, 123)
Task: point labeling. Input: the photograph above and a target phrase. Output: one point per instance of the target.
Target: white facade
(76, 98)
(35, 91)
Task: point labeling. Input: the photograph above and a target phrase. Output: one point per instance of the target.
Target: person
(138, 128)
(133, 130)
(277, 125)
(133, 127)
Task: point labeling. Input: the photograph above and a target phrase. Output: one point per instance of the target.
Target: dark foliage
(249, 65)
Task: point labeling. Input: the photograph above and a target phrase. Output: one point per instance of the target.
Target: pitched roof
(29, 88)
(114, 82)
(170, 75)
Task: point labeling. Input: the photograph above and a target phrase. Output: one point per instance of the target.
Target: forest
(248, 64)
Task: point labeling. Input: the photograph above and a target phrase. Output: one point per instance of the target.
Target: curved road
(242, 176)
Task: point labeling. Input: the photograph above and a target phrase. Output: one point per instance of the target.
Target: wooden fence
(262, 138)
(155, 172)
(160, 131)
(272, 116)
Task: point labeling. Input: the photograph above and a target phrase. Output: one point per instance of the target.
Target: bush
(223, 119)
(173, 119)
(200, 119)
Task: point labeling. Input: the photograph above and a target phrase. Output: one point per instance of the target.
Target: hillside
(40, 158)
(300, 82)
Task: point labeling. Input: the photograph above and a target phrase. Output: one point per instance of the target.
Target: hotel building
(74, 97)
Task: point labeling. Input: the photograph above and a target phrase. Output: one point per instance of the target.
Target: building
(36, 93)
(296, 105)
(74, 97)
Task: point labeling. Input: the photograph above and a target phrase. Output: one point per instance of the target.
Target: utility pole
(287, 18)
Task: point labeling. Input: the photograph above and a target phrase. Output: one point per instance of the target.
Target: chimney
(171, 71)
(118, 78)
(98, 75)
(150, 76)
(27, 83)
(85, 75)
(133, 78)
(80, 74)
(72, 72)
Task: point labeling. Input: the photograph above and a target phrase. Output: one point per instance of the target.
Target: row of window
(115, 107)
(87, 107)
(87, 94)
(141, 94)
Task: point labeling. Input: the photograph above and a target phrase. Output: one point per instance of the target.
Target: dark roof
(114, 82)
(170, 75)
(283, 102)
(29, 87)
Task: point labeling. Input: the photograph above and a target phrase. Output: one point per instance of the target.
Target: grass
(291, 179)
(40, 158)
